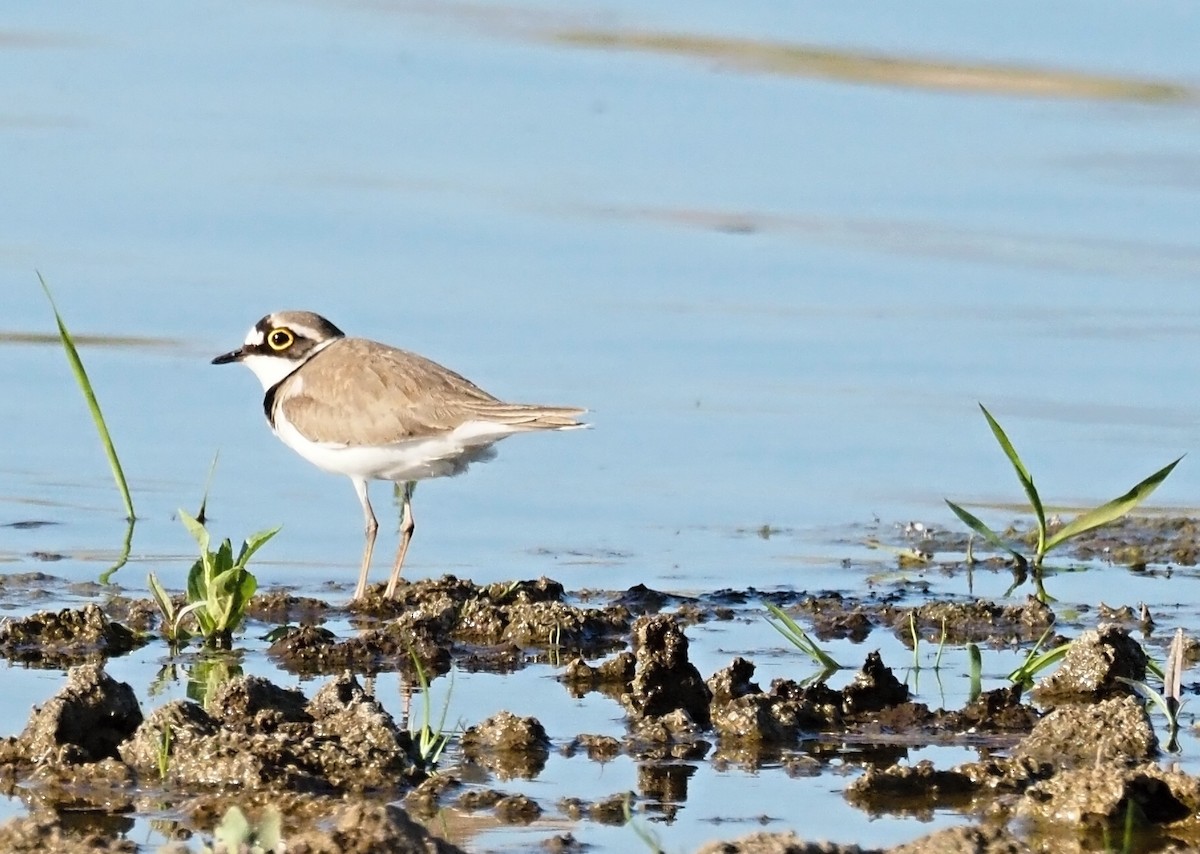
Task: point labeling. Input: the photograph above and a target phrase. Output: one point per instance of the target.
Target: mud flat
(1071, 762)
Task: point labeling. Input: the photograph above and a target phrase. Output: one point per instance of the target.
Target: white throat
(271, 370)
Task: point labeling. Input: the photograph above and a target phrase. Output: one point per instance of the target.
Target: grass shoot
(975, 668)
(110, 451)
(85, 385)
(429, 740)
(164, 751)
(1169, 701)
(1088, 521)
(790, 629)
(1036, 661)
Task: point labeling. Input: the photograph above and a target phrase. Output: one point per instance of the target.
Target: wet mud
(1069, 759)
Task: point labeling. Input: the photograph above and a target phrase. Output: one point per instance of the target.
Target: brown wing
(370, 394)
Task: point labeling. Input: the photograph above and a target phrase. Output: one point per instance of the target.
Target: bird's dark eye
(280, 339)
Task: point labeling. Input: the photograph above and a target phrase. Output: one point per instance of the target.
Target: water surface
(780, 288)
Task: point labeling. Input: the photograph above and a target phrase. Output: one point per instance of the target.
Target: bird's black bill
(232, 356)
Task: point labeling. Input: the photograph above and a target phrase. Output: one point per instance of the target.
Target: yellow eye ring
(280, 339)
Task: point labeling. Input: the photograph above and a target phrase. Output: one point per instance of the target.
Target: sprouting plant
(507, 591)
(1036, 661)
(236, 834)
(937, 659)
(554, 645)
(172, 618)
(221, 584)
(1169, 701)
(1092, 519)
(1173, 672)
(110, 451)
(164, 751)
(791, 630)
(975, 666)
(916, 639)
(429, 740)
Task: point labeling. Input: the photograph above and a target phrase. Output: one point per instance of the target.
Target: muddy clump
(612, 676)
(60, 639)
(997, 711)
(1093, 668)
(85, 722)
(981, 621)
(508, 746)
(1100, 796)
(1116, 730)
(741, 711)
(910, 789)
(428, 618)
(664, 681)
(1078, 775)
(311, 650)
(957, 840)
(1141, 540)
(281, 607)
(258, 735)
(744, 713)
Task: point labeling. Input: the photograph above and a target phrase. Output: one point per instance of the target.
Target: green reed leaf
(89, 395)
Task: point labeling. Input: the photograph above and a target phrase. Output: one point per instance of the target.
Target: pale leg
(407, 526)
(371, 529)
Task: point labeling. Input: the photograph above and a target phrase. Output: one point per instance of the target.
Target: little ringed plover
(372, 412)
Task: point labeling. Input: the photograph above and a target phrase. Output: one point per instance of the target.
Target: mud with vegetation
(1071, 756)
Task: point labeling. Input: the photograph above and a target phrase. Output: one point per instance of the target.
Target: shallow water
(781, 291)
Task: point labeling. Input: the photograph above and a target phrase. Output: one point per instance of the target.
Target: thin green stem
(89, 395)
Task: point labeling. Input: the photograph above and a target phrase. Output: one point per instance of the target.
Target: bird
(370, 411)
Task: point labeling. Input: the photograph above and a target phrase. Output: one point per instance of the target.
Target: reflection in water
(881, 70)
(11, 336)
(664, 783)
(1128, 258)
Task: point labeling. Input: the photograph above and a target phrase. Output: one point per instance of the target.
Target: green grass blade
(1022, 474)
(89, 395)
(791, 630)
(975, 524)
(212, 469)
(1113, 510)
(1035, 661)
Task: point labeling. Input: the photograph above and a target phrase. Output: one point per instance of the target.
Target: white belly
(415, 459)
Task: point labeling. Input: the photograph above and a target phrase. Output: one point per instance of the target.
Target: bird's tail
(531, 416)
